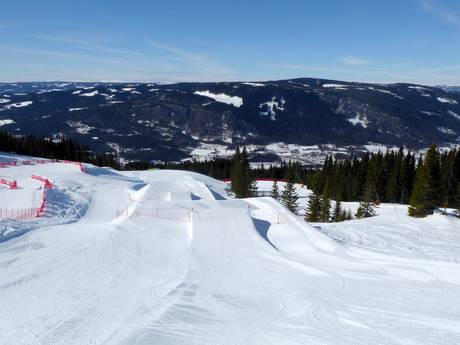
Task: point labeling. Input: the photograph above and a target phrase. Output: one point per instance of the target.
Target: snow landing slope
(166, 257)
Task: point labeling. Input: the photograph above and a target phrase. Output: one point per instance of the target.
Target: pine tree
(365, 208)
(249, 186)
(348, 215)
(326, 203)
(236, 175)
(426, 192)
(394, 183)
(289, 197)
(313, 211)
(337, 212)
(275, 190)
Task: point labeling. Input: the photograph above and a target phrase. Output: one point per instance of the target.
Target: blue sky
(376, 41)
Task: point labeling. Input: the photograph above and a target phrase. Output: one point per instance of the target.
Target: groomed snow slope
(166, 257)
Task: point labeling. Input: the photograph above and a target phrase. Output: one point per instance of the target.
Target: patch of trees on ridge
(65, 149)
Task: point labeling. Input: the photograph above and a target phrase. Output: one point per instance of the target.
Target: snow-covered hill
(298, 119)
(167, 257)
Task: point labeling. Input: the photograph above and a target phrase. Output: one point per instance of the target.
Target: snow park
(91, 255)
(230, 172)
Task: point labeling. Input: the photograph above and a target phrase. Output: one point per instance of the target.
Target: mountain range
(286, 119)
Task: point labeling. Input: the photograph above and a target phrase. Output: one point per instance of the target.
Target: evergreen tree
(394, 183)
(426, 192)
(289, 197)
(275, 190)
(348, 215)
(325, 204)
(337, 212)
(313, 211)
(249, 186)
(236, 175)
(365, 208)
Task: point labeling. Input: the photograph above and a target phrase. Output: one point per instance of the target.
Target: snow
(388, 92)
(420, 89)
(271, 107)
(385, 91)
(446, 100)
(358, 119)
(222, 98)
(429, 113)
(80, 127)
(77, 109)
(181, 262)
(335, 86)
(454, 114)
(446, 130)
(4, 122)
(18, 105)
(253, 84)
(90, 94)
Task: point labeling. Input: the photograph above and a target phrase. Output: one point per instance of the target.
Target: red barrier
(46, 185)
(47, 182)
(11, 184)
(18, 214)
(40, 161)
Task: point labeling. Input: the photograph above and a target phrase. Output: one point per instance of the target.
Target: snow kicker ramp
(183, 264)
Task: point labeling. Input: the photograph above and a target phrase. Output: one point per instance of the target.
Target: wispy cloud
(352, 61)
(178, 52)
(193, 64)
(444, 14)
(88, 46)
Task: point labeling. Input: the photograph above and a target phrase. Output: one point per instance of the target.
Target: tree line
(65, 149)
(425, 183)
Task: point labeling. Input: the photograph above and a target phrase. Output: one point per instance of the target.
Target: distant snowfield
(222, 98)
(446, 100)
(18, 105)
(89, 94)
(168, 257)
(4, 122)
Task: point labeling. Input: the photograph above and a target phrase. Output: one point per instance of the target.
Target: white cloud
(353, 61)
(442, 13)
